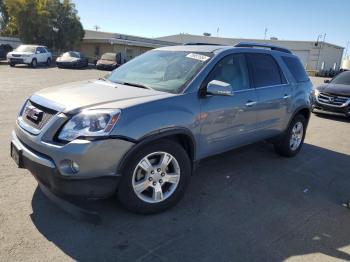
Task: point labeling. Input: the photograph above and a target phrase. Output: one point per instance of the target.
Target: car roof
(200, 47)
(35, 45)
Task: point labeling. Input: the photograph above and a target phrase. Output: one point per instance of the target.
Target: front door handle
(286, 96)
(250, 103)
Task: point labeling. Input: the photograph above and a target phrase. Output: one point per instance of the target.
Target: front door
(228, 121)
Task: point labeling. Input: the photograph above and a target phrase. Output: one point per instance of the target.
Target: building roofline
(113, 36)
(252, 39)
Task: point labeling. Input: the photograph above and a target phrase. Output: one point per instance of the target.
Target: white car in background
(32, 55)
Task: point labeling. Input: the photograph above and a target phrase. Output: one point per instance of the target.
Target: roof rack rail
(195, 43)
(272, 47)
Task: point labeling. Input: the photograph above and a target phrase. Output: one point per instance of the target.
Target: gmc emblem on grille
(331, 99)
(33, 113)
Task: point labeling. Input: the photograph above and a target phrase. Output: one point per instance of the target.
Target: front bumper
(69, 64)
(20, 60)
(105, 67)
(97, 177)
(328, 109)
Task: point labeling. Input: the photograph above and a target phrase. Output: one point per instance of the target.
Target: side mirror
(327, 81)
(219, 88)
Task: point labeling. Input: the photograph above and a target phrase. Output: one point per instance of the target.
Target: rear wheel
(12, 64)
(293, 139)
(155, 177)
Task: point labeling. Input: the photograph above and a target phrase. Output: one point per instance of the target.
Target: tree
(53, 23)
(3, 15)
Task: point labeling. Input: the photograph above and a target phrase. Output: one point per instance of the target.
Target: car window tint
(342, 79)
(296, 68)
(265, 70)
(233, 70)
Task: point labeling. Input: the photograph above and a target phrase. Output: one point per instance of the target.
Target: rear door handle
(286, 96)
(250, 103)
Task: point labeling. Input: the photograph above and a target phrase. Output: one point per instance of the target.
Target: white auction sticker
(198, 57)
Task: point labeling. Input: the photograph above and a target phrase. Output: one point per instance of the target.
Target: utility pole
(265, 33)
(319, 48)
(346, 50)
(96, 27)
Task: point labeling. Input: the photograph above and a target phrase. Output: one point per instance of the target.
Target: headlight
(90, 123)
(316, 92)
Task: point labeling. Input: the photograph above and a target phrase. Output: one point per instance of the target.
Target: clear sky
(285, 19)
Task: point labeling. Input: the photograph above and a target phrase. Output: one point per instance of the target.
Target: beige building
(321, 56)
(95, 43)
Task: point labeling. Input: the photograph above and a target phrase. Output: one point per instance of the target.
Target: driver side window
(233, 70)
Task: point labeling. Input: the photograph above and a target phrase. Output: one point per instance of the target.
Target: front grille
(44, 115)
(333, 100)
(14, 55)
(16, 60)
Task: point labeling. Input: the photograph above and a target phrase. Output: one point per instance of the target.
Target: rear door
(273, 91)
(228, 121)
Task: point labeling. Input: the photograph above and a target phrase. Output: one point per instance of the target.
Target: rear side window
(296, 68)
(265, 70)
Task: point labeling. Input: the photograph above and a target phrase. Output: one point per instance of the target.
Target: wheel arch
(183, 136)
(302, 110)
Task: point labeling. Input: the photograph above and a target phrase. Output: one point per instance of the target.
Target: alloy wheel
(156, 177)
(296, 136)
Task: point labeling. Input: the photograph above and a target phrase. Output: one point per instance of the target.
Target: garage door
(303, 56)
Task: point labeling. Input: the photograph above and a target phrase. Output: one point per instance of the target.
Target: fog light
(69, 167)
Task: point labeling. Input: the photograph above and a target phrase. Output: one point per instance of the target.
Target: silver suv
(139, 132)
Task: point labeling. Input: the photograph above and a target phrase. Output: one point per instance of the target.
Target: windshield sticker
(198, 57)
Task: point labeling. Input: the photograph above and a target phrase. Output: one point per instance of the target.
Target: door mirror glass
(219, 88)
(327, 81)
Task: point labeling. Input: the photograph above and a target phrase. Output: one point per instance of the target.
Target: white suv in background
(31, 55)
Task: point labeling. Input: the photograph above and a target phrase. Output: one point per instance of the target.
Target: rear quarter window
(296, 68)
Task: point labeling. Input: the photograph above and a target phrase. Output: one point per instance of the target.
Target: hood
(341, 90)
(20, 53)
(106, 62)
(87, 94)
(67, 59)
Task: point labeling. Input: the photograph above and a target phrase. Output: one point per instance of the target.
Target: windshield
(109, 56)
(342, 79)
(167, 71)
(71, 54)
(26, 48)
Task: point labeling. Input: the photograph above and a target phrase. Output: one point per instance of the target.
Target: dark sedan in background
(4, 49)
(109, 61)
(334, 96)
(72, 59)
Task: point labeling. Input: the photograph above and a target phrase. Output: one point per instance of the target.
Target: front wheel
(34, 63)
(155, 177)
(48, 62)
(293, 139)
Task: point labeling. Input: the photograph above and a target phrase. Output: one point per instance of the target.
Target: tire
(147, 201)
(284, 146)
(48, 62)
(12, 65)
(34, 63)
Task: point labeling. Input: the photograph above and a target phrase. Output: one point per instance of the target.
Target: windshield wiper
(134, 84)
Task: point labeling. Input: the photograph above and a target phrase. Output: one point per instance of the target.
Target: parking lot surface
(243, 205)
